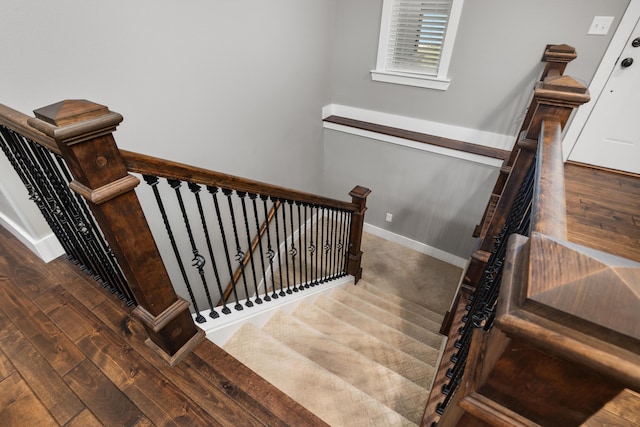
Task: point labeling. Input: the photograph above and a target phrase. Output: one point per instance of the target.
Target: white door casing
(606, 132)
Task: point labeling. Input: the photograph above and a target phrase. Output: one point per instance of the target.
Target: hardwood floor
(71, 355)
(603, 210)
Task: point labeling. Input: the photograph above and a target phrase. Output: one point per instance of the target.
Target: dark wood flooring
(71, 355)
(603, 210)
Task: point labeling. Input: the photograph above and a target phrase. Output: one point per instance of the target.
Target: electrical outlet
(389, 217)
(600, 25)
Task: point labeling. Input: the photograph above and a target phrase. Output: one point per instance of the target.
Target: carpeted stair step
(404, 303)
(383, 384)
(380, 315)
(329, 397)
(369, 346)
(428, 353)
(393, 308)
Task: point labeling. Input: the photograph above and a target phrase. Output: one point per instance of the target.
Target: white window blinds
(416, 42)
(416, 35)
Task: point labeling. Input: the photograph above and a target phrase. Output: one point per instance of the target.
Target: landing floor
(71, 355)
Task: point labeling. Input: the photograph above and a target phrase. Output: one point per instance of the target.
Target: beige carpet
(363, 355)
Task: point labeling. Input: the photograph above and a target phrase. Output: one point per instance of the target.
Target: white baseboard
(47, 248)
(416, 246)
(473, 136)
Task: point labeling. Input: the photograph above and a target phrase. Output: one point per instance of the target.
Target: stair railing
(82, 183)
(570, 304)
(554, 99)
(276, 241)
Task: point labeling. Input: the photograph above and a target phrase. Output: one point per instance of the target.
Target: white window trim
(439, 82)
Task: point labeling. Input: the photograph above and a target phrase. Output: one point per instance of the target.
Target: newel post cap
(75, 120)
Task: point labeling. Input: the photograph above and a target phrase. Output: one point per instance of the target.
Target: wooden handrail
(148, 165)
(19, 122)
(549, 212)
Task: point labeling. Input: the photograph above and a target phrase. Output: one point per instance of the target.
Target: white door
(611, 136)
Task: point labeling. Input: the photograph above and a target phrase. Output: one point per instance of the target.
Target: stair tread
(370, 346)
(393, 308)
(426, 353)
(404, 303)
(383, 384)
(329, 397)
(382, 316)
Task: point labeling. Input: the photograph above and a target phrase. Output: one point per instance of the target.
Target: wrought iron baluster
(286, 251)
(300, 245)
(214, 195)
(253, 198)
(348, 242)
(239, 253)
(327, 248)
(317, 245)
(34, 195)
(334, 239)
(312, 249)
(281, 293)
(341, 244)
(270, 253)
(293, 251)
(249, 254)
(199, 264)
(322, 248)
(153, 182)
(306, 258)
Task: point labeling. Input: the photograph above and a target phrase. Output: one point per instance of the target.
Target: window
(416, 42)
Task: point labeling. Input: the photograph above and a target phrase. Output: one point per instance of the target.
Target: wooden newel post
(354, 257)
(83, 132)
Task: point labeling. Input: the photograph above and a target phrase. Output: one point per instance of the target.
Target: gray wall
(496, 58)
(232, 86)
(438, 200)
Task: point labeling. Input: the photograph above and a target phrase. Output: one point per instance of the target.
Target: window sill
(410, 80)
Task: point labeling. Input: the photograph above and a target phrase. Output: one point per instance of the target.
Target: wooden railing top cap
(70, 111)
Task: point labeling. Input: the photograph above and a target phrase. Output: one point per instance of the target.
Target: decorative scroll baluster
(153, 182)
(293, 251)
(239, 253)
(195, 189)
(242, 196)
(322, 248)
(312, 250)
(270, 252)
(214, 192)
(301, 230)
(306, 255)
(253, 198)
(286, 250)
(327, 248)
(334, 244)
(317, 245)
(347, 243)
(341, 243)
(281, 293)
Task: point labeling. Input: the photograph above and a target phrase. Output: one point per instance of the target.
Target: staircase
(358, 356)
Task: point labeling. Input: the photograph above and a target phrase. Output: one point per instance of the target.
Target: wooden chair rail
(148, 165)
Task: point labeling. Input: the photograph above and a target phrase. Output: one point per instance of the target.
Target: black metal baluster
(282, 293)
(321, 245)
(348, 243)
(34, 195)
(249, 252)
(286, 250)
(300, 231)
(195, 189)
(340, 246)
(312, 250)
(327, 248)
(153, 182)
(334, 244)
(270, 253)
(214, 193)
(306, 256)
(317, 245)
(253, 198)
(239, 254)
(293, 251)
